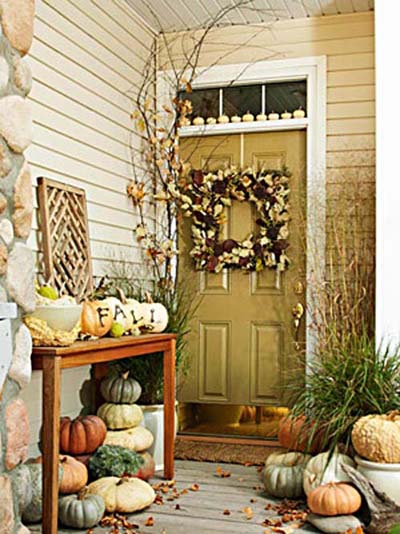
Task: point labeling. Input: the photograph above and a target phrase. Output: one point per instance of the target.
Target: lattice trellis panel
(65, 238)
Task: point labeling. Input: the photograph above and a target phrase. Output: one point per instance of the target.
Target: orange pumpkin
(335, 498)
(74, 474)
(148, 468)
(294, 434)
(248, 414)
(82, 435)
(96, 318)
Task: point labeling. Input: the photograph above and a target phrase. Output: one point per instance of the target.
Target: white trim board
(313, 69)
(243, 127)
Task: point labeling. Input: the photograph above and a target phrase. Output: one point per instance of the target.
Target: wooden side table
(51, 360)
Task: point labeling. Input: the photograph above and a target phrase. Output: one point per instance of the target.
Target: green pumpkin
(283, 474)
(120, 389)
(120, 416)
(22, 486)
(32, 512)
(80, 511)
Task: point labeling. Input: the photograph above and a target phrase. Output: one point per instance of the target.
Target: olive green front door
(244, 344)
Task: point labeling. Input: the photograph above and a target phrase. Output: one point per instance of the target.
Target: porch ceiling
(178, 15)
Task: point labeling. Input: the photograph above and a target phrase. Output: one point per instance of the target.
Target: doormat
(230, 453)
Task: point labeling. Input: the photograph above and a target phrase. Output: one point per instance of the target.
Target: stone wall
(16, 259)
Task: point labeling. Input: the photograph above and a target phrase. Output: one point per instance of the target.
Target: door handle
(297, 313)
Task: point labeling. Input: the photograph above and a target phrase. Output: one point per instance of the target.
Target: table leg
(51, 441)
(169, 410)
(100, 370)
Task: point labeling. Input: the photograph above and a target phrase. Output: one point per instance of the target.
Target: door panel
(265, 358)
(214, 351)
(267, 282)
(215, 284)
(242, 340)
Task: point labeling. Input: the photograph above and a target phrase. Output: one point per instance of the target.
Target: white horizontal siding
(86, 59)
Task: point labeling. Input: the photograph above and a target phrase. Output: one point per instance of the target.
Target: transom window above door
(233, 100)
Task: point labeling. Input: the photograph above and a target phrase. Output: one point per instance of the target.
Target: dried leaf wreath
(204, 199)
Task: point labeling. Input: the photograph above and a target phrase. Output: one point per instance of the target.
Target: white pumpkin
(137, 439)
(299, 114)
(319, 471)
(198, 121)
(273, 116)
(134, 310)
(223, 119)
(261, 117)
(211, 120)
(120, 313)
(123, 495)
(248, 117)
(236, 118)
(155, 315)
(286, 115)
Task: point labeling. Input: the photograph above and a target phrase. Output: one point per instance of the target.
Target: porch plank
(201, 512)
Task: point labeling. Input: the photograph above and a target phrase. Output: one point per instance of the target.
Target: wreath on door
(204, 199)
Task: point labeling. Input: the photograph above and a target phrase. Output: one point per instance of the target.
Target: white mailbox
(8, 311)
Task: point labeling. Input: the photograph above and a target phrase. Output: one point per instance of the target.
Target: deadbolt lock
(298, 288)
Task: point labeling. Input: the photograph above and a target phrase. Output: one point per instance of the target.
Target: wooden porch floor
(202, 511)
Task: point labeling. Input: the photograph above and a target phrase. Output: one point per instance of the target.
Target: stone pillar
(16, 259)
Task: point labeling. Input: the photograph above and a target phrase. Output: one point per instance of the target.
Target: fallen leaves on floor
(118, 524)
(248, 512)
(292, 516)
(149, 522)
(219, 472)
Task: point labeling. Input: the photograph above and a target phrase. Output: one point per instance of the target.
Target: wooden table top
(103, 349)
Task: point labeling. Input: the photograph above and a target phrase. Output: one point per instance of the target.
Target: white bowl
(385, 477)
(59, 317)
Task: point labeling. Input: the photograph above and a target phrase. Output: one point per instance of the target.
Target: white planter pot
(385, 477)
(154, 421)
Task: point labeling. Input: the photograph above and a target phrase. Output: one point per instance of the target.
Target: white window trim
(314, 70)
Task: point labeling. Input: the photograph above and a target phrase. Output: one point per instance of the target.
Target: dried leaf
(194, 487)
(149, 522)
(147, 104)
(221, 473)
(226, 512)
(249, 512)
(177, 507)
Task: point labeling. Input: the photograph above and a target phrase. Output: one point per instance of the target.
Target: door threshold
(228, 439)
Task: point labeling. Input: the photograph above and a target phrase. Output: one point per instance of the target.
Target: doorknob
(297, 313)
